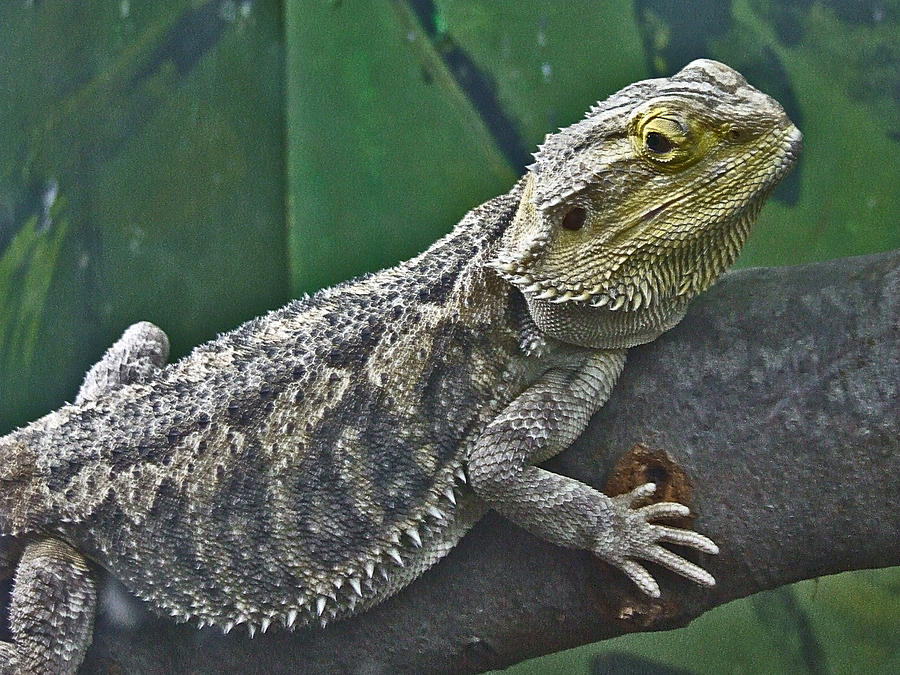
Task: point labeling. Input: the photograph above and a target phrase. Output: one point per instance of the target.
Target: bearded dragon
(319, 458)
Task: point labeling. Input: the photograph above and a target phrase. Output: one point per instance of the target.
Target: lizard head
(629, 213)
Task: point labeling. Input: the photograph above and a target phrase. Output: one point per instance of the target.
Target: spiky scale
(395, 556)
(646, 292)
(636, 301)
(413, 534)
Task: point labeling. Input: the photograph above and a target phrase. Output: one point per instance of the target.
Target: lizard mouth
(622, 236)
(794, 141)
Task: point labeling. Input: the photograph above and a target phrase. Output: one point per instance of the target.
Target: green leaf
(384, 155)
(163, 126)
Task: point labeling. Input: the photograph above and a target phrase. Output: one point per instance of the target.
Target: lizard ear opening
(574, 218)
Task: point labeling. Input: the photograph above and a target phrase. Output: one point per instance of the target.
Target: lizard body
(319, 458)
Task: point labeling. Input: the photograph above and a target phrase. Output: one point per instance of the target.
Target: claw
(680, 566)
(675, 535)
(641, 577)
(664, 510)
(641, 492)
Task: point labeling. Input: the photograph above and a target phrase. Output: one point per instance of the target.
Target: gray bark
(777, 395)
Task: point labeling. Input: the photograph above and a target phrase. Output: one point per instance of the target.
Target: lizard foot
(635, 537)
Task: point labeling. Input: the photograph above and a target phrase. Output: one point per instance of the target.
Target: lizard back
(311, 453)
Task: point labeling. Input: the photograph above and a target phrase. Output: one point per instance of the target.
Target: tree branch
(777, 395)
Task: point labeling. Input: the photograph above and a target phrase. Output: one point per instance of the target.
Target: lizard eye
(574, 219)
(657, 143)
(663, 134)
(666, 139)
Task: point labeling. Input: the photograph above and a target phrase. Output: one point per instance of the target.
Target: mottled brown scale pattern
(319, 458)
(289, 452)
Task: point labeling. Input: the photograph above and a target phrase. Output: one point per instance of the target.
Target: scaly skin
(317, 459)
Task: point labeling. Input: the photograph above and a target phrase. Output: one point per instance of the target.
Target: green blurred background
(197, 163)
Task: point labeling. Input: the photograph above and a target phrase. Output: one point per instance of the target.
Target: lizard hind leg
(135, 357)
(51, 613)
(53, 602)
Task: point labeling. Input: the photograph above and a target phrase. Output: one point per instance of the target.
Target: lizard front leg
(538, 424)
(54, 596)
